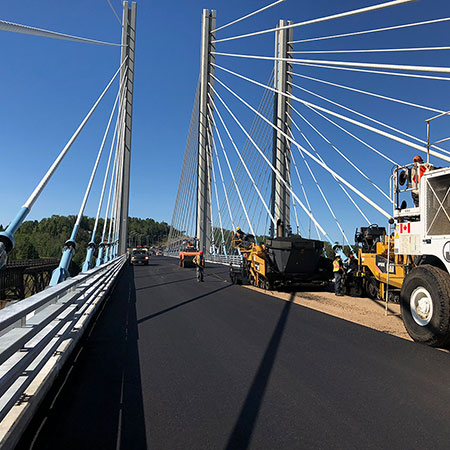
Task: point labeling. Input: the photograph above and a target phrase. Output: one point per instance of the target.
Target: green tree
(26, 249)
(46, 238)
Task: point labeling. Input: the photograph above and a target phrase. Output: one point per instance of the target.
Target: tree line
(45, 238)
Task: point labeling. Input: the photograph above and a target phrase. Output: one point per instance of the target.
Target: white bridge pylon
(308, 143)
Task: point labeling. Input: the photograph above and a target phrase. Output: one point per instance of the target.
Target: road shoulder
(362, 311)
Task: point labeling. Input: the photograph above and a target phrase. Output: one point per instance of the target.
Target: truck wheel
(425, 305)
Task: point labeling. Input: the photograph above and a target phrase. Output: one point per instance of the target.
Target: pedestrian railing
(36, 337)
(234, 260)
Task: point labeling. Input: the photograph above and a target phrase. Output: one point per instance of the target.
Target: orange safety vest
(422, 169)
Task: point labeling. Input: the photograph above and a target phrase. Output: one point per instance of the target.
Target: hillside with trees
(45, 238)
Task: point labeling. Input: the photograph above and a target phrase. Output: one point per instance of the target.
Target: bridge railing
(36, 337)
(235, 260)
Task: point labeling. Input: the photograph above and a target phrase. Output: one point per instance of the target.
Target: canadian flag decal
(405, 228)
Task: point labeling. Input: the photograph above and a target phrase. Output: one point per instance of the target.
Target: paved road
(175, 364)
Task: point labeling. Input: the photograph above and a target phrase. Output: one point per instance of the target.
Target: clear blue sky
(49, 85)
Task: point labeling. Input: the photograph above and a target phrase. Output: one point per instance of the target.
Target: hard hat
(201, 252)
(238, 229)
(418, 159)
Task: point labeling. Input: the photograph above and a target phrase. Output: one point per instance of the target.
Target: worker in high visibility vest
(338, 270)
(417, 171)
(199, 261)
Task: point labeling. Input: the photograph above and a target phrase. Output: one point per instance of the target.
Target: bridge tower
(281, 159)
(128, 43)
(206, 108)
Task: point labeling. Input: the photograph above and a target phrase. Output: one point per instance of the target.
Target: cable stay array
(183, 219)
(320, 137)
(113, 241)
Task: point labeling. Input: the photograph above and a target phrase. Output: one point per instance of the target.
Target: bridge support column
(204, 168)
(281, 159)
(128, 41)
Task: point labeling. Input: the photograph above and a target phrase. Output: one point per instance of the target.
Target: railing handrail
(17, 311)
(235, 260)
(33, 347)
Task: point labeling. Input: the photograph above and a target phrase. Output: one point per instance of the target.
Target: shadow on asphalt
(151, 274)
(242, 432)
(168, 282)
(179, 305)
(96, 402)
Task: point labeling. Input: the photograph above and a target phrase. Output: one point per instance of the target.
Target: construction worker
(352, 263)
(338, 270)
(242, 239)
(349, 284)
(239, 235)
(199, 261)
(417, 171)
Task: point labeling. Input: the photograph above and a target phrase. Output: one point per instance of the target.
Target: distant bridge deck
(175, 364)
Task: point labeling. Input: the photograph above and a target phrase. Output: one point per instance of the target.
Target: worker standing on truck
(338, 270)
(417, 171)
(199, 261)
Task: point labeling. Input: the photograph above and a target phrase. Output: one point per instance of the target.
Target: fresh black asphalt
(175, 364)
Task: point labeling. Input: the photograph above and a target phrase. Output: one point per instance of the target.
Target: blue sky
(49, 85)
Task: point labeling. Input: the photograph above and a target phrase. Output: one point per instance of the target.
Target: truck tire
(425, 305)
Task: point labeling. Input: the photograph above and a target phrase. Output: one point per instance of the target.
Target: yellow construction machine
(281, 262)
(379, 269)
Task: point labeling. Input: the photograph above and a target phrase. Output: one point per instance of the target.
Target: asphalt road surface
(175, 364)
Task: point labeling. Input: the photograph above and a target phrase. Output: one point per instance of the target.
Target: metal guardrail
(235, 260)
(36, 337)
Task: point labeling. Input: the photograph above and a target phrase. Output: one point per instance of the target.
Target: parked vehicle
(411, 264)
